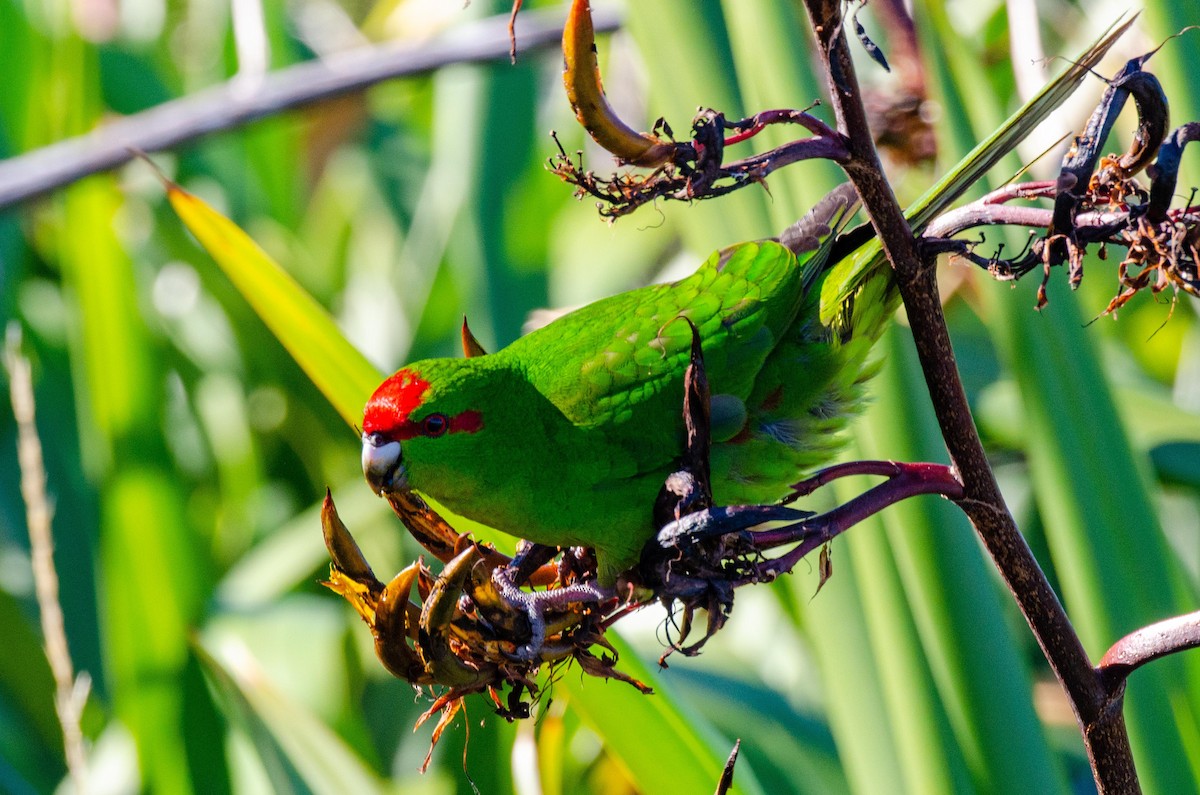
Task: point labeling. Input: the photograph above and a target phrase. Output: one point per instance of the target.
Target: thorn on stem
(726, 782)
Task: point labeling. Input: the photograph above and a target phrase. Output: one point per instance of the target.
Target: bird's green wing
(599, 363)
(618, 364)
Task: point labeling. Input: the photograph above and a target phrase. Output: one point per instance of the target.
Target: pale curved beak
(382, 463)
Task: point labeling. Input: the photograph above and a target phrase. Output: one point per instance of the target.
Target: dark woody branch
(1105, 737)
(231, 105)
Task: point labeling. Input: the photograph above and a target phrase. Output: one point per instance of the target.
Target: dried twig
(70, 692)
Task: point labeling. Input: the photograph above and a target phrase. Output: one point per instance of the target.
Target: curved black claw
(535, 605)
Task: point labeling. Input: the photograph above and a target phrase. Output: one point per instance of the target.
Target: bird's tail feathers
(812, 236)
(828, 215)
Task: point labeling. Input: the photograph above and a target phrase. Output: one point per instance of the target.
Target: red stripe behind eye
(464, 422)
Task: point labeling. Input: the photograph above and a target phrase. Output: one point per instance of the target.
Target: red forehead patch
(393, 401)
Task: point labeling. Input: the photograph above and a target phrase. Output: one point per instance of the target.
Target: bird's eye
(435, 425)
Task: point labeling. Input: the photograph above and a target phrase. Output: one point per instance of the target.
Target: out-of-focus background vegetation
(187, 452)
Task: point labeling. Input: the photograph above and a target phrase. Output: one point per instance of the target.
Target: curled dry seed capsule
(433, 635)
(343, 550)
(1075, 178)
(395, 624)
(581, 77)
(386, 609)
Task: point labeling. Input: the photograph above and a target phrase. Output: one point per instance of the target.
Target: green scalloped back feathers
(582, 419)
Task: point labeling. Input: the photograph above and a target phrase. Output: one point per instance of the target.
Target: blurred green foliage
(187, 451)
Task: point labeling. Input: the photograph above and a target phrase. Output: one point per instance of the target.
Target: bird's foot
(536, 604)
(723, 542)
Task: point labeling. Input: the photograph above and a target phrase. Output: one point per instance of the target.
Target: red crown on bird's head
(389, 410)
(393, 402)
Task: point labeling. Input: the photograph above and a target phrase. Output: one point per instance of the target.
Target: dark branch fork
(1146, 645)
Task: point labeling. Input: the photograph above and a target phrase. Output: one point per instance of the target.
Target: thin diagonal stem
(907, 480)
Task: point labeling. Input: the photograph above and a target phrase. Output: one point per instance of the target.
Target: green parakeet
(566, 436)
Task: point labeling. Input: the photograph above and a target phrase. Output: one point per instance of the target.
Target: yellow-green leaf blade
(625, 719)
(304, 327)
